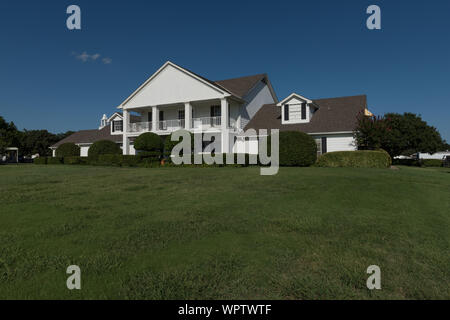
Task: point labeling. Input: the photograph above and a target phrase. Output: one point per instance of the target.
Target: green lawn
(221, 233)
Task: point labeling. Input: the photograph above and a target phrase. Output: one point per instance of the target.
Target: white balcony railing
(207, 122)
(140, 127)
(173, 125)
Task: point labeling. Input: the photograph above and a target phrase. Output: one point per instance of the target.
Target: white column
(125, 140)
(187, 115)
(224, 125)
(155, 120)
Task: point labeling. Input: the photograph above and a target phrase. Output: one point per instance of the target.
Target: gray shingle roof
(90, 136)
(333, 115)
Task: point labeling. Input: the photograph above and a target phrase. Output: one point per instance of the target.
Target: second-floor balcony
(177, 124)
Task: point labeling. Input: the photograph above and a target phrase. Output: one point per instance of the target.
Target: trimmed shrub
(68, 150)
(40, 160)
(224, 160)
(109, 160)
(153, 155)
(169, 144)
(103, 147)
(149, 142)
(129, 161)
(54, 160)
(74, 160)
(355, 159)
(297, 149)
(432, 163)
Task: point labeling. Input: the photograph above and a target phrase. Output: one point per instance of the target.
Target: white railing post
(125, 140)
(224, 124)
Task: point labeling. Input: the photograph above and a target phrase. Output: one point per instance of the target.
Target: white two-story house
(175, 98)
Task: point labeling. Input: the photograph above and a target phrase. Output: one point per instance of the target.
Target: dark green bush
(74, 160)
(297, 149)
(40, 160)
(68, 150)
(153, 155)
(103, 147)
(356, 159)
(54, 160)
(130, 161)
(431, 163)
(149, 141)
(114, 160)
(246, 163)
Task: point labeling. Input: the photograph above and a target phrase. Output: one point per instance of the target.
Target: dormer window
(296, 109)
(117, 126)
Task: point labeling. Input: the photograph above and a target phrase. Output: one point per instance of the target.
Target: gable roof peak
(291, 96)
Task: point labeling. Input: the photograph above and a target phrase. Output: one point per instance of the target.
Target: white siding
(257, 97)
(339, 142)
(171, 86)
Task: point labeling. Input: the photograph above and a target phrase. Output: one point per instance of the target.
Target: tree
(39, 141)
(397, 134)
(9, 135)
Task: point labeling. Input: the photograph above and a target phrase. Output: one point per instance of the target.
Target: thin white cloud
(86, 57)
(107, 60)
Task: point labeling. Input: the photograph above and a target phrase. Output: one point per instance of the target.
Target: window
(117, 126)
(286, 112)
(216, 111)
(324, 145)
(150, 117)
(180, 114)
(303, 111)
(319, 146)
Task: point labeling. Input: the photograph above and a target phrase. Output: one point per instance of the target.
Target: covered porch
(205, 115)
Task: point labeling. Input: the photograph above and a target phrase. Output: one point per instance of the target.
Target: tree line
(29, 142)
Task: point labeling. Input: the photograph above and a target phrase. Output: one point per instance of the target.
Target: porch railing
(173, 125)
(207, 122)
(140, 127)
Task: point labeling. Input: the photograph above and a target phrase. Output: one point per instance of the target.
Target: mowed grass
(223, 233)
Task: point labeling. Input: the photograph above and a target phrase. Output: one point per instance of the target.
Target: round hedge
(68, 150)
(297, 149)
(149, 141)
(104, 147)
(169, 144)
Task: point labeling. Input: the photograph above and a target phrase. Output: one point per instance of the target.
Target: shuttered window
(286, 112)
(303, 111)
(324, 145)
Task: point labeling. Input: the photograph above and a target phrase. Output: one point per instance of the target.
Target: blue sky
(316, 48)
